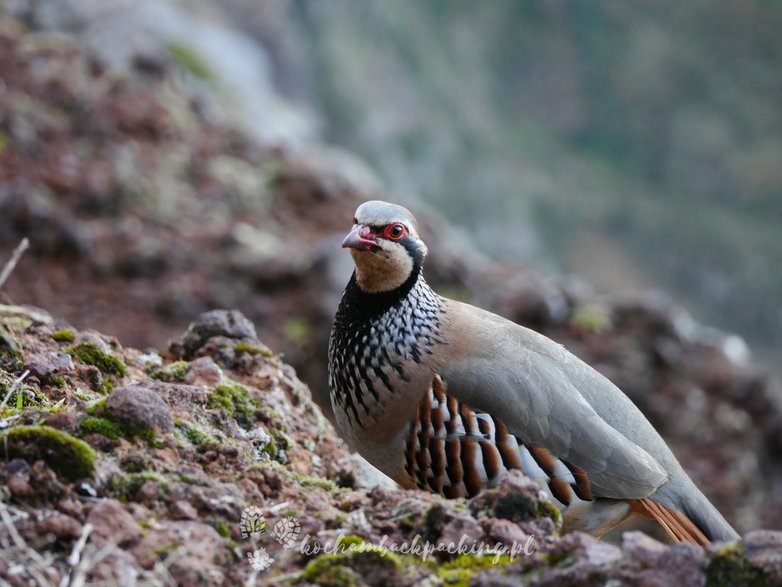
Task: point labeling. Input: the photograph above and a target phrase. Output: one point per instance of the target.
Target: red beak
(360, 238)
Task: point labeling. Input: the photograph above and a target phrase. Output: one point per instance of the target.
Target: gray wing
(527, 381)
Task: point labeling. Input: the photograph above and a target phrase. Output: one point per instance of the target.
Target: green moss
(250, 349)
(172, 373)
(298, 330)
(105, 387)
(278, 442)
(222, 527)
(308, 480)
(190, 480)
(131, 432)
(57, 380)
(593, 318)
(460, 571)
(349, 540)
(434, 521)
(321, 482)
(135, 462)
(110, 428)
(104, 426)
(519, 508)
(729, 567)
(164, 551)
(270, 448)
(547, 509)
(188, 59)
(302, 480)
(556, 558)
(69, 457)
(284, 442)
(330, 570)
(24, 396)
(270, 416)
(91, 354)
(196, 436)
(236, 401)
(64, 335)
(96, 406)
(348, 565)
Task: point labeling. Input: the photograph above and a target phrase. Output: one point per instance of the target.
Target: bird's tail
(678, 526)
(698, 523)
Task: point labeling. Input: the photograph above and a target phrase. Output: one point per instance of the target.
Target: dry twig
(15, 256)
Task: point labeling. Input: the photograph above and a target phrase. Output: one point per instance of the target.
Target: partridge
(447, 397)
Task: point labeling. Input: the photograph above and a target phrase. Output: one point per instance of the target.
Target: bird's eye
(355, 221)
(395, 231)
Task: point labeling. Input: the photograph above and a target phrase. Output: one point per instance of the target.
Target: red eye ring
(395, 231)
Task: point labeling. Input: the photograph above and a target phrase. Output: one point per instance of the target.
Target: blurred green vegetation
(657, 124)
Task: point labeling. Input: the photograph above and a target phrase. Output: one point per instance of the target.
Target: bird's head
(385, 246)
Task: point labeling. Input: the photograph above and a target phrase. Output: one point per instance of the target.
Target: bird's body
(447, 397)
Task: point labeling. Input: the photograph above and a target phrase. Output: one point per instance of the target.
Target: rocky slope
(211, 465)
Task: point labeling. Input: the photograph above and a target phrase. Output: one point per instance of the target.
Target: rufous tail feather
(677, 526)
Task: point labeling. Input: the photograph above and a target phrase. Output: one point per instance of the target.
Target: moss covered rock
(236, 401)
(91, 354)
(173, 372)
(69, 457)
(729, 567)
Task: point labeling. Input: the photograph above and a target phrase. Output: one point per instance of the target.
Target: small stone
(183, 510)
(110, 521)
(70, 508)
(227, 323)
(18, 466)
(642, 547)
(65, 421)
(149, 492)
(681, 564)
(90, 337)
(506, 532)
(42, 364)
(118, 568)
(461, 528)
(137, 406)
(86, 489)
(19, 486)
(194, 550)
(61, 526)
(602, 553)
(176, 395)
(763, 548)
(204, 371)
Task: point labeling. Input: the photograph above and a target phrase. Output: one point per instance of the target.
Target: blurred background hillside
(632, 146)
